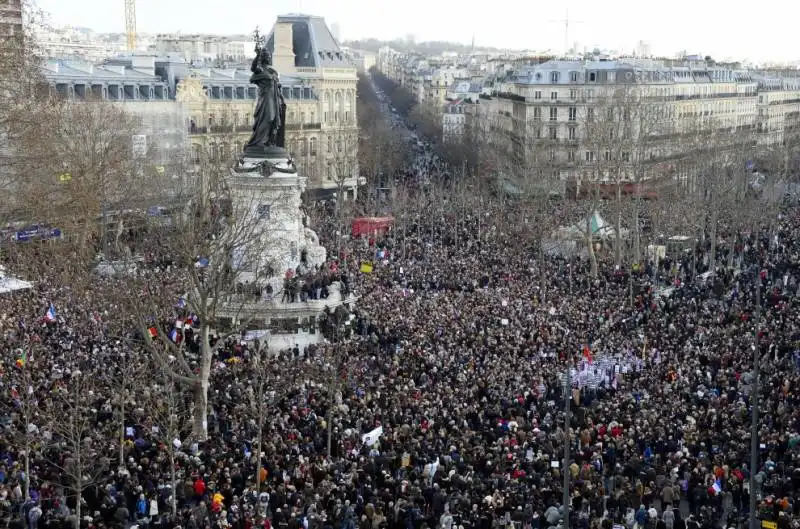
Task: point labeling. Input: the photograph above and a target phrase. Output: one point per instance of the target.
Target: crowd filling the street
(439, 403)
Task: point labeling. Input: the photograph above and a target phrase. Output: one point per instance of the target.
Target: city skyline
(618, 24)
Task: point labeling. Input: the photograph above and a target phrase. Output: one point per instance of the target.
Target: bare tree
(609, 136)
(75, 447)
(170, 424)
(223, 243)
(23, 408)
(80, 166)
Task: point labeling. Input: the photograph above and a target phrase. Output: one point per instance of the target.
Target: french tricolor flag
(717, 486)
(50, 315)
(175, 336)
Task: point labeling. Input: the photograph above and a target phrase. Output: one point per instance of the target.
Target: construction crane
(130, 23)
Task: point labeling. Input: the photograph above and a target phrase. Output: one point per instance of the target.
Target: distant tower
(336, 31)
(472, 47)
(130, 24)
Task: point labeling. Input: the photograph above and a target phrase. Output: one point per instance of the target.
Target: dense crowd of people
(442, 406)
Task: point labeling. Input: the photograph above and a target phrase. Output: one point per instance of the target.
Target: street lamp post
(754, 403)
(565, 469)
(565, 466)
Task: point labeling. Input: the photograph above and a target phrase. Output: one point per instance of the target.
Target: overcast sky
(731, 29)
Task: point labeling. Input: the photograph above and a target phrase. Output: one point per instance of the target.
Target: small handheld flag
(175, 336)
(152, 331)
(587, 353)
(50, 315)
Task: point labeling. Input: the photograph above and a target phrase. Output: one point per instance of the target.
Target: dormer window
(592, 77)
(573, 77)
(554, 77)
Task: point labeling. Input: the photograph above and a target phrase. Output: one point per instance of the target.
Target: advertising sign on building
(139, 145)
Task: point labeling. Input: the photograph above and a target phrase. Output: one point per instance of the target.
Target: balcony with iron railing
(303, 126)
(220, 129)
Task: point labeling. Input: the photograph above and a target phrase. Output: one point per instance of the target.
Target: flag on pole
(366, 268)
(152, 331)
(181, 303)
(50, 315)
(587, 353)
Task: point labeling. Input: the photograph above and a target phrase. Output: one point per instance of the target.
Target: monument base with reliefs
(269, 189)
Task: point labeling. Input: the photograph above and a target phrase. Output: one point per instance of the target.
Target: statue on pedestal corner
(269, 118)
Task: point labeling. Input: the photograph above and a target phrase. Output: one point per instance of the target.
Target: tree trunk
(618, 229)
(590, 245)
(541, 265)
(78, 499)
(27, 468)
(173, 499)
(637, 241)
(712, 234)
(122, 429)
(202, 386)
(330, 431)
(260, 405)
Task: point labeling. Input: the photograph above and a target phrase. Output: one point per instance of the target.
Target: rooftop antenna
(566, 21)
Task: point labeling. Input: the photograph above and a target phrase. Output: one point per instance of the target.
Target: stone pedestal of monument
(266, 189)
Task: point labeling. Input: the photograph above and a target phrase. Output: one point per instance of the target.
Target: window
(610, 114)
(312, 146)
(571, 156)
(554, 77)
(573, 94)
(573, 113)
(537, 94)
(553, 96)
(211, 120)
(589, 114)
(626, 157)
(573, 77)
(573, 133)
(263, 211)
(553, 133)
(592, 77)
(607, 156)
(537, 113)
(589, 156)
(553, 113)
(589, 94)
(330, 145)
(551, 155)
(626, 114)
(538, 133)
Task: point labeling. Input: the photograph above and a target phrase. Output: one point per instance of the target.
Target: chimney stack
(283, 56)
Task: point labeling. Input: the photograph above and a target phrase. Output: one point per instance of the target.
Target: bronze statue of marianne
(267, 138)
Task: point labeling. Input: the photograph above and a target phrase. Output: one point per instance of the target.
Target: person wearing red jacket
(199, 488)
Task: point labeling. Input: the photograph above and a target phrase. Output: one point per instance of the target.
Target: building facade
(778, 119)
(550, 114)
(10, 18)
(133, 84)
(216, 105)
